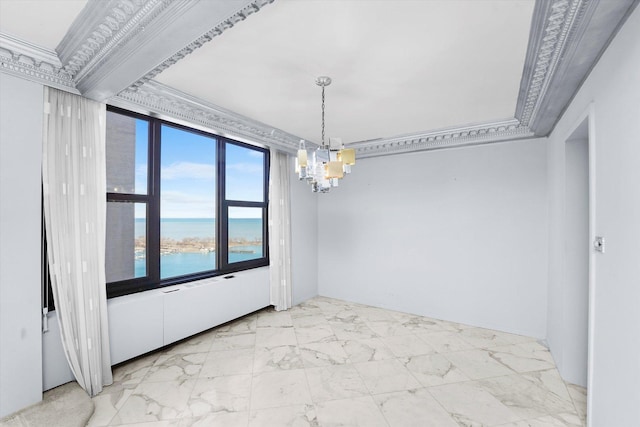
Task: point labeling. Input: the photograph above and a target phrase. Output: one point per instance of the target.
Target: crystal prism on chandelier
(328, 163)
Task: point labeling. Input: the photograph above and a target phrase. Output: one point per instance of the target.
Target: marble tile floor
(328, 362)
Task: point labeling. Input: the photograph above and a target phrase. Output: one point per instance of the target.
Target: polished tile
(527, 397)
(343, 315)
(433, 369)
(233, 341)
(444, 341)
(483, 338)
(372, 314)
(478, 364)
(407, 345)
(285, 416)
(423, 324)
(385, 376)
(328, 362)
(216, 419)
(354, 412)
(335, 382)
(277, 358)
(316, 334)
(274, 337)
(525, 357)
(388, 327)
(470, 404)
(221, 394)
(308, 319)
(228, 362)
(413, 408)
(243, 325)
(556, 420)
(174, 367)
(367, 350)
(154, 401)
(134, 370)
(352, 331)
(579, 397)
(105, 409)
(323, 354)
(279, 388)
(270, 318)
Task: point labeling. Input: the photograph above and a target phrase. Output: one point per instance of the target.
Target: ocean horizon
(249, 229)
(180, 263)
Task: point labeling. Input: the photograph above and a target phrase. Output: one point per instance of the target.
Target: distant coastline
(197, 235)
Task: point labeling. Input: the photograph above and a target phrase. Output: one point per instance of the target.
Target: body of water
(181, 263)
(180, 228)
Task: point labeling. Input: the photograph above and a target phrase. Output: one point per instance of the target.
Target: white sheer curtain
(74, 188)
(280, 230)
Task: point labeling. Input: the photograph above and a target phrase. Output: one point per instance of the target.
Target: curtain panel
(280, 230)
(74, 189)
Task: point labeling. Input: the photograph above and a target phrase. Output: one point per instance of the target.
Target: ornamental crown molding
(103, 28)
(24, 59)
(238, 16)
(550, 26)
(115, 48)
(157, 99)
(118, 44)
(154, 98)
(473, 134)
(566, 40)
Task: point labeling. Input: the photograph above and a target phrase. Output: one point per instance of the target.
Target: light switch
(598, 243)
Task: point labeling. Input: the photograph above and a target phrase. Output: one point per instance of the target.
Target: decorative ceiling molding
(154, 98)
(483, 133)
(118, 44)
(115, 45)
(240, 15)
(101, 29)
(546, 40)
(567, 38)
(26, 60)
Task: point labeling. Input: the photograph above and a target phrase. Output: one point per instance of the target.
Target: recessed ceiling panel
(41, 22)
(398, 67)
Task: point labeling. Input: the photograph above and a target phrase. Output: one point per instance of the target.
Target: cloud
(188, 170)
(255, 154)
(187, 198)
(178, 204)
(247, 168)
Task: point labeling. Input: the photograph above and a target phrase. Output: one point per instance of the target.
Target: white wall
(457, 234)
(304, 241)
(613, 92)
(20, 159)
(575, 288)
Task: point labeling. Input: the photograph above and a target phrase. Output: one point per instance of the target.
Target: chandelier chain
(322, 116)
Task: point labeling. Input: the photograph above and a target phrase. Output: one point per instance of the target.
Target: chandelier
(328, 163)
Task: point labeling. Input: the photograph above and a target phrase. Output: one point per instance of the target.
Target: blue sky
(188, 173)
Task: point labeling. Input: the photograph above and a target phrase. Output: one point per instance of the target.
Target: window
(182, 204)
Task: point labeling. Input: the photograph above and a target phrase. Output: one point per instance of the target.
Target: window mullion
(222, 214)
(153, 207)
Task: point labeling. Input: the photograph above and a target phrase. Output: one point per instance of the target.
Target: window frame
(152, 200)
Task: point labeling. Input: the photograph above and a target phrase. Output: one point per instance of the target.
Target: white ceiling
(41, 22)
(408, 75)
(397, 66)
